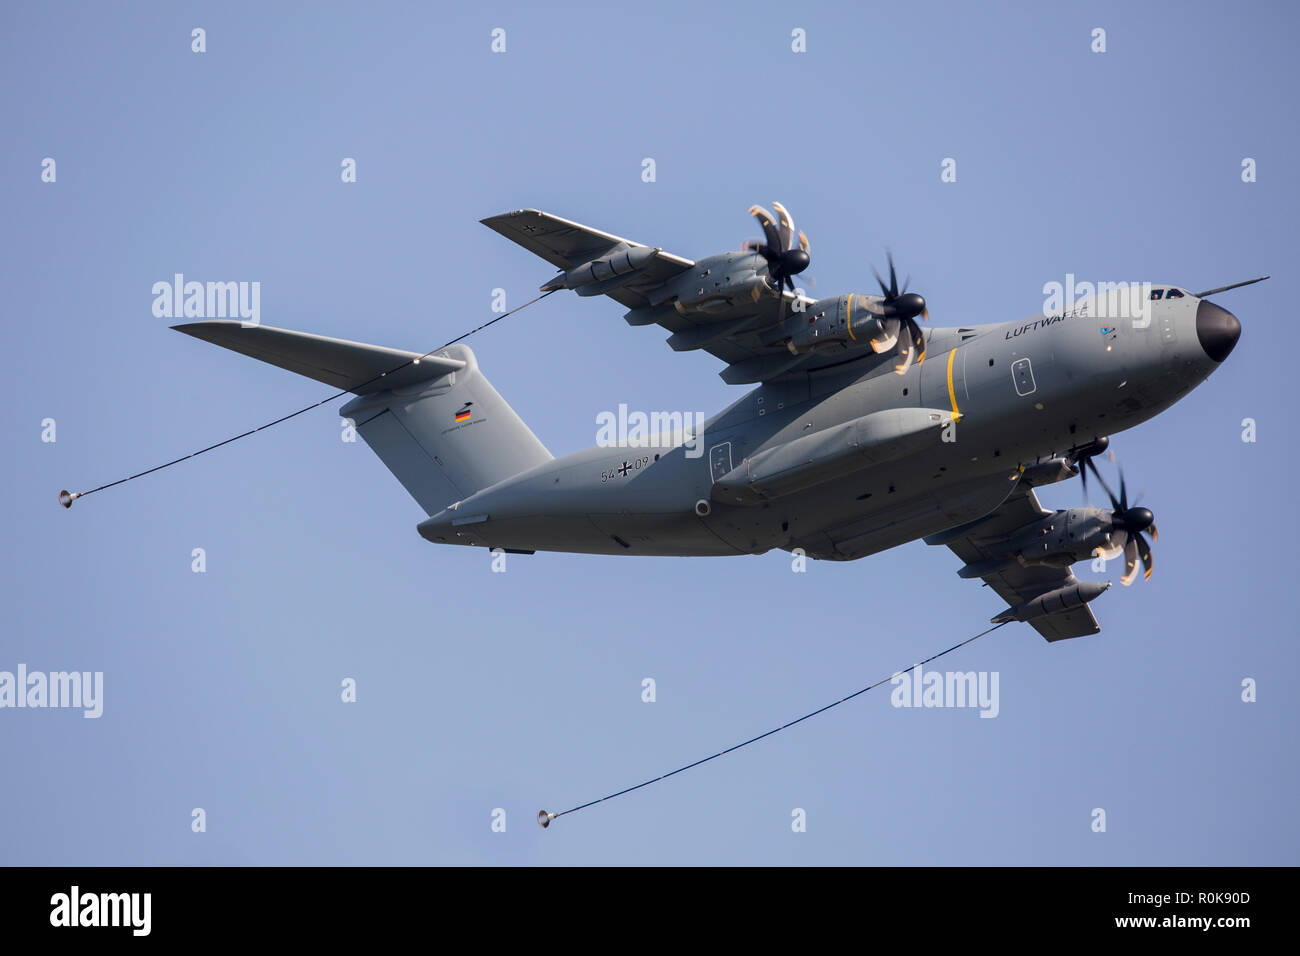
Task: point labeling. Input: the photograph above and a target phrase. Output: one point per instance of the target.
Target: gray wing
(986, 540)
(710, 305)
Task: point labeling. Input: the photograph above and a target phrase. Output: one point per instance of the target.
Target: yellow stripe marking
(952, 394)
(851, 335)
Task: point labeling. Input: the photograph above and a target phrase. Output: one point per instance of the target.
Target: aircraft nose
(1217, 329)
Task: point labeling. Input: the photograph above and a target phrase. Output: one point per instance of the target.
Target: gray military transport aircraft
(864, 431)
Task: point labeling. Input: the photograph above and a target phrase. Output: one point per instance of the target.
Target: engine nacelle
(726, 283)
(842, 321)
(1065, 537)
(718, 298)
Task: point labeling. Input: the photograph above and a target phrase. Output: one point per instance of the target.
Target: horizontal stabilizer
(344, 365)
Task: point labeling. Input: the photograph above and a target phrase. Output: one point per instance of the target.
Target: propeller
(898, 312)
(1131, 521)
(785, 258)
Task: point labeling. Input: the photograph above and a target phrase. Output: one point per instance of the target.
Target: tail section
(439, 426)
(448, 438)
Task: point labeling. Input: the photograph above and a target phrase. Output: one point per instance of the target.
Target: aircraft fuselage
(853, 459)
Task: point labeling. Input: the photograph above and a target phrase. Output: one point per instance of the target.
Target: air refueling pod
(1054, 602)
(608, 271)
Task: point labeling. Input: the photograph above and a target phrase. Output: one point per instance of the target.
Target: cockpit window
(1173, 294)
(1156, 294)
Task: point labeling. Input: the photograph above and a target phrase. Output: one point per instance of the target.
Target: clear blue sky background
(522, 690)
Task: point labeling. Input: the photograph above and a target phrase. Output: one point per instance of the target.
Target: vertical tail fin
(448, 439)
(439, 426)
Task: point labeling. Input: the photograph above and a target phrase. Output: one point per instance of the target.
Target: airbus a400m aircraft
(864, 430)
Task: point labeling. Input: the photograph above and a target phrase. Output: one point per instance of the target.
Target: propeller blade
(902, 367)
(769, 228)
(888, 337)
(884, 289)
(1123, 493)
(786, 224)
(1118, 538)
(893, 276)
(918, 337)
(909, 349)
(1147, 558)
(1130, 562)
(1155, 535)
(804, 244)
(1144, 550)
(1114, 502)
(1084, 456)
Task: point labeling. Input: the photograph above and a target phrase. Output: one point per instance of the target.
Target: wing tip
(192, 328)
(502, 216)
(201, 330)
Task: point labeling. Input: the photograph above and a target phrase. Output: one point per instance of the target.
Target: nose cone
(1217, 329)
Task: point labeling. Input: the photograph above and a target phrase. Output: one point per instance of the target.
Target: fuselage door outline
(1022, 374)
(719, 460)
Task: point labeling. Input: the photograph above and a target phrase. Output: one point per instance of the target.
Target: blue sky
(523, 690)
